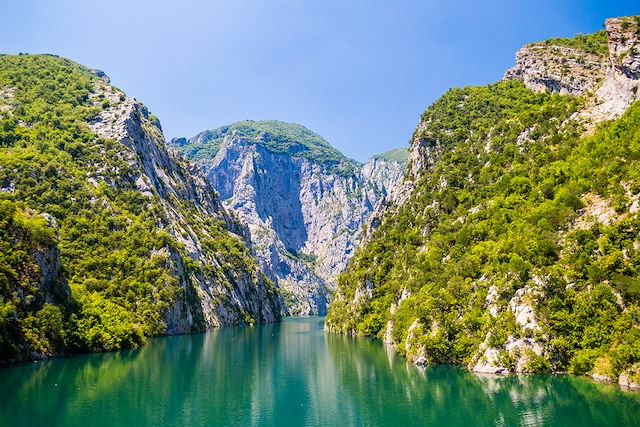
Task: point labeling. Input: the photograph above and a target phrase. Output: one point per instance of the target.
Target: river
(291, 374)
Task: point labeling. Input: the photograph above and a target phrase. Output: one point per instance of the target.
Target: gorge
(504, 240)
(136, 242)
(304, 202)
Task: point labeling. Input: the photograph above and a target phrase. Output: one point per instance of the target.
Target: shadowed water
(291, 374)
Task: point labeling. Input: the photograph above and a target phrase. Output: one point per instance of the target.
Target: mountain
(304, 202)
(512, 244)
(398, 155)
(106, 237)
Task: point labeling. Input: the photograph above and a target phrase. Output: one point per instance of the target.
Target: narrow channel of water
(291, 374)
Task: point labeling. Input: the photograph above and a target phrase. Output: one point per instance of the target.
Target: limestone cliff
(305, 203)
(145, 246)
(32, 278)
(621, 86)
(604, 65)
(560, 67)
(187, 202)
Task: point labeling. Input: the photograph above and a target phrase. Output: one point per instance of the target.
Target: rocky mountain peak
(100, 74)
(624, 45)
(275, 136)
(305, 203)
(606, 63)
(564, 66)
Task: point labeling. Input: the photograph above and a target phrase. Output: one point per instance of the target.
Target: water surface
(291, 374)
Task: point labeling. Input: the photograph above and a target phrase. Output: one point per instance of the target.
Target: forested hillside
(517, 248)
(86, 182)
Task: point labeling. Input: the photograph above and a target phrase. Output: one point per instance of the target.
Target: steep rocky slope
(564, 66)
(304, 202)
(604, 66)
(33, 286)
(146, 247)
(512, 245)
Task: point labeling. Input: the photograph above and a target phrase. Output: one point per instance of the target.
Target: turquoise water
(291, 374)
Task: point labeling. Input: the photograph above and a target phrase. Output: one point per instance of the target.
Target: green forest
(118, 258)
(501, 207)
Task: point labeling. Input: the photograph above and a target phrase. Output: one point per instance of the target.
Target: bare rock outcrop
(234, 296)
(630, 378)
(557, 69)
(305, 216)
(621, 86)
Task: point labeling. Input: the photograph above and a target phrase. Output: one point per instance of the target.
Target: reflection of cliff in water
(381, 382)
(114, 388)
(291, 374)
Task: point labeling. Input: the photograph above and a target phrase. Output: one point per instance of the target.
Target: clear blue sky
(358, 72)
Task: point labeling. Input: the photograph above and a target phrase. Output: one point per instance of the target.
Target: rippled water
(291, 374)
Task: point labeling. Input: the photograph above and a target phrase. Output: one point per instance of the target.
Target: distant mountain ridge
(278, 137)
(398, 155)
(304, 201)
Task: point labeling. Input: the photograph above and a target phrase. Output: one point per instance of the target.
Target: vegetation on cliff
(116, 250)
(399, 155)
(275, 136)
(26, 319)
(595, 43)
(515, 199)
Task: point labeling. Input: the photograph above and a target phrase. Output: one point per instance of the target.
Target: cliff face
(32, 279)
(304, 214)
(187, 201)
(146, 247)
(564, 68)
(622, 82)
(486, 256)
(604, 64)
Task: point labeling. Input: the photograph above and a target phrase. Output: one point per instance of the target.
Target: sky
(358, 72)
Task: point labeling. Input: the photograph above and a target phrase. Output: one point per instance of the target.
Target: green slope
(275, 136)
(595, 43)
(398, 155)
(496, 211)
(114, 241)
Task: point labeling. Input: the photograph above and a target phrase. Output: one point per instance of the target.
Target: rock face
(516, 353)
(305, 214)
(559, 69)
(53, 286)
(630, 379)
(32, 278)
(622, 83)
(187, 201)
(606, 64)
(624, 41)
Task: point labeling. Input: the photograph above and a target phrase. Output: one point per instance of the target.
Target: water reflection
(381, 383)
(291, 374)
